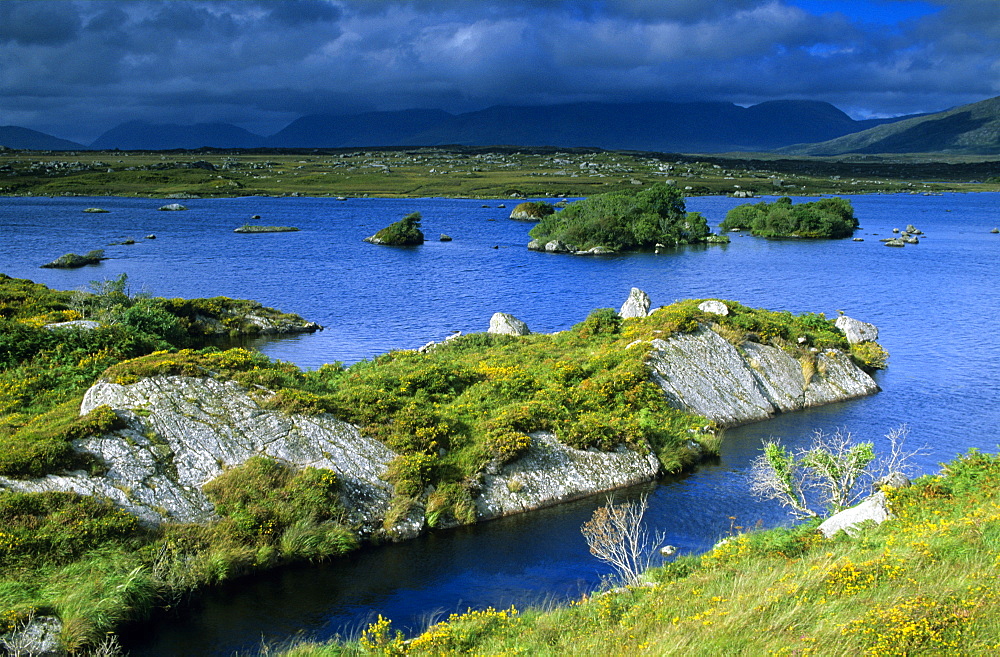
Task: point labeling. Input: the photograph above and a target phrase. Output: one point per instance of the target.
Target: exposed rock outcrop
(38, 637)
(183, 432)
(172, 207)
(551, 472)
(505, 324)
(856, 330)
(256, 321)
(703, 373)
(637, 304)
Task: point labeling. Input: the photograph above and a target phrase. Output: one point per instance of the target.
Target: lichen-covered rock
(637, 304)
(81, 324)
(714, 306)
(505, 324)
(556, 246)
(856, 330)
(182, 432)
(172, 207)
(551, 472)
(39, 637)
(703, 373)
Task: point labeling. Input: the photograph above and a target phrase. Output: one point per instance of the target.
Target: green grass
(466, 173)
(923, 583)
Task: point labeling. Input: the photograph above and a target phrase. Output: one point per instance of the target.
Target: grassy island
(405, 232)
(248, 228)
(73, 261)
(624, 221)
(828, 217)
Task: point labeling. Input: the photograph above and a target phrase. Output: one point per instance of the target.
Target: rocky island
(532, 211)
(183, 461)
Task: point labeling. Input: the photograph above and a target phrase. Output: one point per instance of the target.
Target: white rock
(713, 306)
(856, 330)
(504, 324)
(875, 508)
(637, 304)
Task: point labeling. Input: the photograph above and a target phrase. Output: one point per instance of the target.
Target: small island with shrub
(73, 260)
(405, 232)
(622, 221)
(532, 211)
(825, 218)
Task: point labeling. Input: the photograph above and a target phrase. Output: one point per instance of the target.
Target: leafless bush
(617, 536)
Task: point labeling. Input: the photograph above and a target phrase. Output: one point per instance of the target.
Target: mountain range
(969, 130)
(789, 126)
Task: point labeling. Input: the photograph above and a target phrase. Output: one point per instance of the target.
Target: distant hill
(687, 127)
(368, 129)
(141, 136)
(968, 130)
(13, 136)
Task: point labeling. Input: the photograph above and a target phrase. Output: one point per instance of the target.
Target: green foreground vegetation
(473, 173)
(922, 583)
(448, 414)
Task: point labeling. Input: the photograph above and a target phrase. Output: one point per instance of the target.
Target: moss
(43, 445)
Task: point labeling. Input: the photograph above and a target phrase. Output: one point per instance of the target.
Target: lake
(936, 304)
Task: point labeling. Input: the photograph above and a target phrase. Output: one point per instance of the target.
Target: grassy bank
(922, 583)
(467, 173)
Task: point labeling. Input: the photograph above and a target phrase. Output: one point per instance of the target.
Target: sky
(75, 69)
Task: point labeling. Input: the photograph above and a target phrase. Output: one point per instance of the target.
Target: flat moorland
(471, 173)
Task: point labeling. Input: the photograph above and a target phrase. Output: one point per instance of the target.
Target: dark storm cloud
(37, 23)
(77, 68)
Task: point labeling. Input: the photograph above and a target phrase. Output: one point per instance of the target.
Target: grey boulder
(505, 324)
(637, 304)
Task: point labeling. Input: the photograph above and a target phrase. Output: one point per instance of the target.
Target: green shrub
(263, 499)
(42, 445)
(870, 355)
(603, 321)
(405, 232)
(57, 527)
(410, 473)
(828, 217)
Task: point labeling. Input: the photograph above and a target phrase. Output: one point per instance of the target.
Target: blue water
(936, 305)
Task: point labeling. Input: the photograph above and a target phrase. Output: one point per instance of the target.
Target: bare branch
(617, 536)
